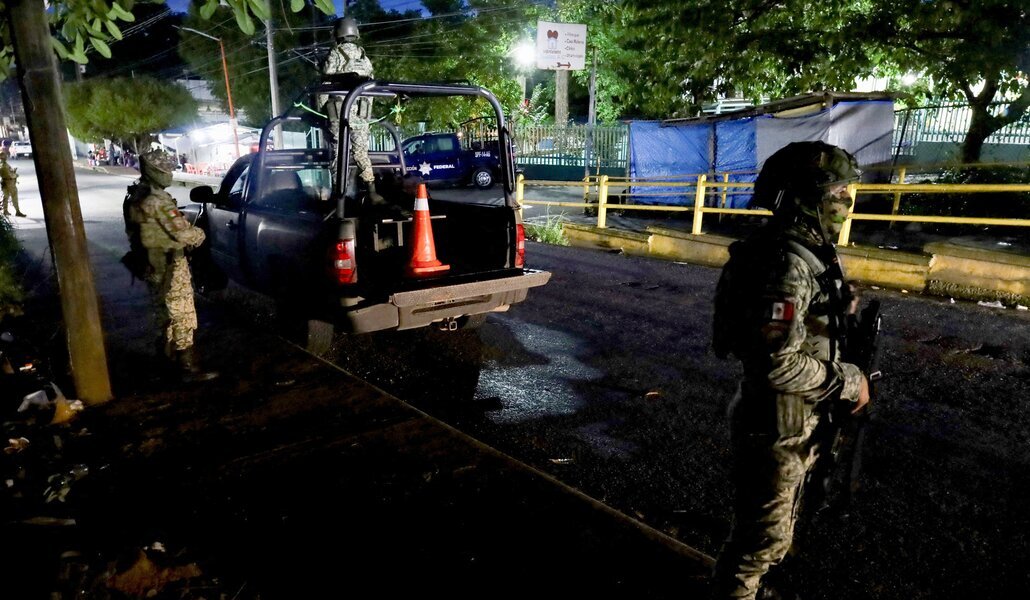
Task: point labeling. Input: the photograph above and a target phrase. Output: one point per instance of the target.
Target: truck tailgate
(418, 308)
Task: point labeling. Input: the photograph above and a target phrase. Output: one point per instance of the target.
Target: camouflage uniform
(153, 221)
(9, 185)
(775, 313)
(348, 57)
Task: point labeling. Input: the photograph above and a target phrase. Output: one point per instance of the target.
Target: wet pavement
(288, 478)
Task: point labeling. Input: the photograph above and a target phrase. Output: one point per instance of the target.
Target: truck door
(443, 154)
(224, 220)
(284, 219)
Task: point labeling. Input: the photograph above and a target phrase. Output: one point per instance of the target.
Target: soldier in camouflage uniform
(777, 311)
(157, 229)
(347, 57)
(9, 184)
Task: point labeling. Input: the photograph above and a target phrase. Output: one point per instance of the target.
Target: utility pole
(228, 90)
(273, 80)
(41, 94)
(591, 117)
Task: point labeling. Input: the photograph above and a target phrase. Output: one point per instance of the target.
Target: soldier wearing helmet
(9, 184)
(159, 235)
(348, 58)
(780, 308)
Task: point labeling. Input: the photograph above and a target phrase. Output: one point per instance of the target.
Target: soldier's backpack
(136, 259)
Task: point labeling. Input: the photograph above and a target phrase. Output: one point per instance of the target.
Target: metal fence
(566, 146)
(948, 123)
(709, 197)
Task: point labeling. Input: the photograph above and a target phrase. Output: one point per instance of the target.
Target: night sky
(402, 5)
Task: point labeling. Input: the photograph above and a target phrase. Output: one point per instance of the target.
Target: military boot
(189, 370)
(374, 196)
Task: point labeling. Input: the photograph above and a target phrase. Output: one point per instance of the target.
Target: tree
(686, 52)
(977, 51)
(126, 109)
(25, 36)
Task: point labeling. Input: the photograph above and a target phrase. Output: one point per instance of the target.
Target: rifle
(842, 434)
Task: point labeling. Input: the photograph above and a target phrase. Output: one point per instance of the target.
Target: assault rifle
(841, 434)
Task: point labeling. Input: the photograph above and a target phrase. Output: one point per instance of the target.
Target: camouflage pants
(10, 191)
(769, 468)
(358, 139)
(171, 288)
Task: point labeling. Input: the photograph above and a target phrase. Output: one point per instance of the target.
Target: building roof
(803, 104)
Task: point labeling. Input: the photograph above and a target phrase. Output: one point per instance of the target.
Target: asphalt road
(605, 379)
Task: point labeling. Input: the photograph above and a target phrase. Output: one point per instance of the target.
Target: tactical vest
(830, 308)
(734, 327)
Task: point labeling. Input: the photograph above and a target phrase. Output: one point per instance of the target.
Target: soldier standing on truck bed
(780, 308)
(348, 58)
(158, 236)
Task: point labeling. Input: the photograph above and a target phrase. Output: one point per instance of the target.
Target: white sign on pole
(561, 46)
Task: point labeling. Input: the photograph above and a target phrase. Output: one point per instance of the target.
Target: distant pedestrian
(9, 184)
(159, 235)
(92, 158)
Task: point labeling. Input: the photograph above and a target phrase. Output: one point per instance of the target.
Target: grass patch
(11, 292)
(550, 232)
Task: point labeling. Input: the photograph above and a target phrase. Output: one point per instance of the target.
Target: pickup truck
(282, 225)
(453, 159)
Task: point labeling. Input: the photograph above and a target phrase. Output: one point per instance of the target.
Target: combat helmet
(797, 177)
(346, 30)
(157, 167)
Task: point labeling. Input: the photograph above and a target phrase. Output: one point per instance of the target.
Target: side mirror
(202, 195)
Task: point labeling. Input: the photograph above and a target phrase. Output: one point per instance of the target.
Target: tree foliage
(126, 108)
(973, 51)
(685, 52)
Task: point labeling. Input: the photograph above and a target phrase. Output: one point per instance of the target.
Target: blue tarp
(735, 150)
(680, 152)
(670, 153)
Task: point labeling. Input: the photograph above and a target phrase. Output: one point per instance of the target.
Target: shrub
(549, 232)
(11, 293)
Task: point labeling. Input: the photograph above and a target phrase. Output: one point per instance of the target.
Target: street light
(228, 91)
(525, 58)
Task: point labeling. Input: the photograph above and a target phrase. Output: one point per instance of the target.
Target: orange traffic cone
(423, 254)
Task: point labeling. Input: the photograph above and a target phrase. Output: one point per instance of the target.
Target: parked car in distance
(19, 149)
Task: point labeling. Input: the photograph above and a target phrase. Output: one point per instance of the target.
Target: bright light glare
(909, 78)
(525, 54)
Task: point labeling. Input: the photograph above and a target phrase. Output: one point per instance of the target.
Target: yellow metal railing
(700, 189)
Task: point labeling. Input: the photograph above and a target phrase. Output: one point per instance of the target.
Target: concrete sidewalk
(298, 480)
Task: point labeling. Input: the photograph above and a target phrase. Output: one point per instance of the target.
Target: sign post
(561, 47)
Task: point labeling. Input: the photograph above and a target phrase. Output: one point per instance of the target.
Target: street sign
(561, 46)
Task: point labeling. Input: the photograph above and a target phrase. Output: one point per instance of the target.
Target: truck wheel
(483, 178)
(320, 336)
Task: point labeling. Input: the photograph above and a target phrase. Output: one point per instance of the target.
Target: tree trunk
(41, 93)
(983, 124)
(979, 130)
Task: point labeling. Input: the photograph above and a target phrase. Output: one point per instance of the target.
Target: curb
(942, 269)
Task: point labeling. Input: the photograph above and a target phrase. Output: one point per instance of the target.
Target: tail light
(343, 265)
(520, 245)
